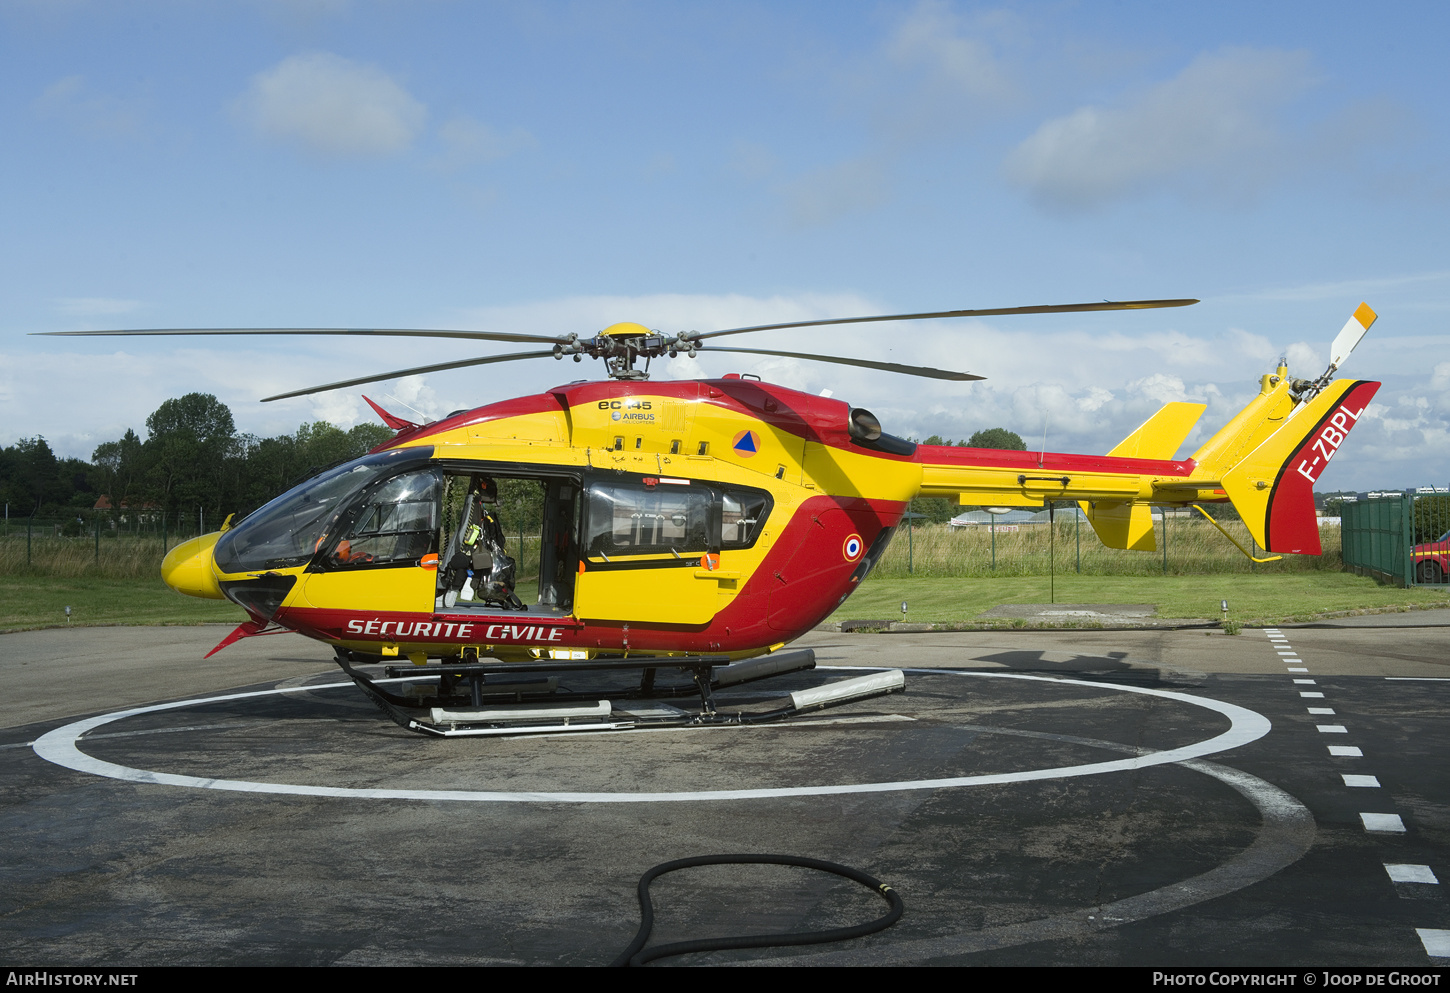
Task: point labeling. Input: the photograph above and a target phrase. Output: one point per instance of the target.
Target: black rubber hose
(633, 955)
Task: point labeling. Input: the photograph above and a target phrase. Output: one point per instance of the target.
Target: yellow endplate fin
(1122, 525)
(1272, 488)
(1160, 435)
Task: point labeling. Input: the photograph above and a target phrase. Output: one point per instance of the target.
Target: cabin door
(650, 553)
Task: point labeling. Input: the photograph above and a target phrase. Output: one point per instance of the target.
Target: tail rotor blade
(1349, 336)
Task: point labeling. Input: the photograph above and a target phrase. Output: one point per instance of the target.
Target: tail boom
(1272, 486)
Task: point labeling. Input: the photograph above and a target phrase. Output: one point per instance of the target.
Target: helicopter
(696, 525)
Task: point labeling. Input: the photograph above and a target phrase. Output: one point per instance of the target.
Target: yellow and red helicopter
(688, 524)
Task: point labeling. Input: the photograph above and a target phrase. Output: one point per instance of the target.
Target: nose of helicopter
(187, 568)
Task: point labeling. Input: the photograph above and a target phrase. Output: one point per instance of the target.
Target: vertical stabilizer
(1130, 525)
(1160, 435)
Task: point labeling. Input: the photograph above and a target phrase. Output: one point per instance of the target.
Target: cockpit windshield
(287, 531)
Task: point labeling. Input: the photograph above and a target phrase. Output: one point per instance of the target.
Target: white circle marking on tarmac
(61, 747)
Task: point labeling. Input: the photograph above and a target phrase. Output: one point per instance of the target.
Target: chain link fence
(116, 543)
(1400, 537)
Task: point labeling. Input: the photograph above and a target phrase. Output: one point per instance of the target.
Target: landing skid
(476, 698)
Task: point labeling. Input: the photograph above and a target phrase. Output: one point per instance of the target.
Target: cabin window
(742, 516)
(638, 520)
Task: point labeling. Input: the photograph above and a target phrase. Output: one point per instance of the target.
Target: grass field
(1194, 547)
(952, 579)
(39, 601)
(1252, 599)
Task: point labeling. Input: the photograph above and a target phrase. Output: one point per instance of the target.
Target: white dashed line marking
(1346, 751)
(1411, 873)
(1383, 823)
(1304, 682)
(1322, 711)
(1436, 942)
(1332, 729)
(1298, 670)
(1368, 781)
(1311, 694)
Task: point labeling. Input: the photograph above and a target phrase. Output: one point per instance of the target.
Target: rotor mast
(621, 345)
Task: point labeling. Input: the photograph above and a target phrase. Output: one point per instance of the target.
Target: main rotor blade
(905, 370)
(379, 332)
(419, 370)
(1064, 308)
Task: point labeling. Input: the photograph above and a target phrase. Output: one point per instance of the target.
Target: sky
(556, 167)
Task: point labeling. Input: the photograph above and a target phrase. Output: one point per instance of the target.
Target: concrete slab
(1116, 612)
(1438, 617)
(1255, 856)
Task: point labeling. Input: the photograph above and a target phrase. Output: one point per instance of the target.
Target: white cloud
(1254, 346)
(414, 393)
(940, 71)
(1305, 360)
(339, 407)
(330, 105)
(1440, 379)
(469, 142)
(1160, 389)
(95, 115)
(1096, 399)
(1092, 395)
(935, 38)
(1214, 128)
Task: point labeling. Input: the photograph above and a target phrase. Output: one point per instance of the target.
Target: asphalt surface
(1219, 820)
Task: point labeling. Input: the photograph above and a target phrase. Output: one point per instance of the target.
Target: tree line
(939, 510)
(192, 460)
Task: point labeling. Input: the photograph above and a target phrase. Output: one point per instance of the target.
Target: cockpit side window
(288, 531)
(395, 524)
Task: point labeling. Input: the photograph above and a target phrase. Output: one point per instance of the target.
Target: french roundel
(853, 548)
